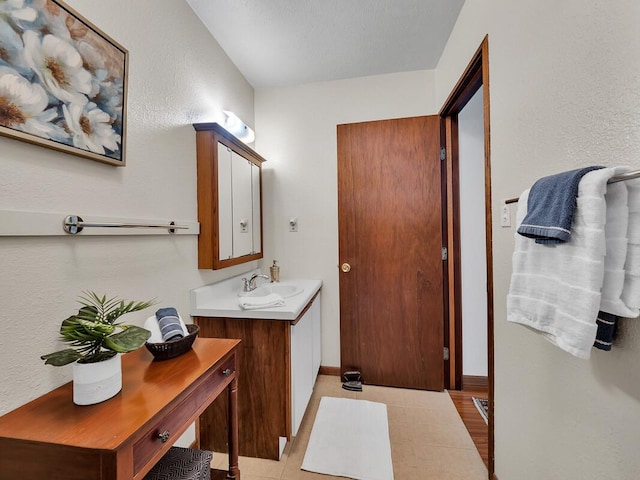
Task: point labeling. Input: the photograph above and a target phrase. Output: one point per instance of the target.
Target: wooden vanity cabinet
(229, 181)
(278, 363)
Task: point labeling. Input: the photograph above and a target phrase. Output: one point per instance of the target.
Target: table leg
(234, 471)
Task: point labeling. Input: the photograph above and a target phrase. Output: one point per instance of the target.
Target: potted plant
(97, 340)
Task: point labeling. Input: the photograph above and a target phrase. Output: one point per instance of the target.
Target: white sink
(283, 290)
(221, 299)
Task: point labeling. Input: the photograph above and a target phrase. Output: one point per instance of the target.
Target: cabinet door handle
(226, 372)
(345, 267)
(164, 436)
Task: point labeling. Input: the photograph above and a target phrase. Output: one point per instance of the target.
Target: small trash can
(182, 464)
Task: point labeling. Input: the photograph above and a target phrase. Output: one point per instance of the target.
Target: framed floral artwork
(63, 82)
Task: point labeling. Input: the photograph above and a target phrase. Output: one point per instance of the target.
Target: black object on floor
(482, 404)
(352, 381)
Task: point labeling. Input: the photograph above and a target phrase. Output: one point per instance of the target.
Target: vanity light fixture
(238, 128)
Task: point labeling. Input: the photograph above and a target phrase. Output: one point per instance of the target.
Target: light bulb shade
(238, 128)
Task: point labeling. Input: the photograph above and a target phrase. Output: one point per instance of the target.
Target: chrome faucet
(250, 285)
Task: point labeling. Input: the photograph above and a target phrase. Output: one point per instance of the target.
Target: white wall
(564, 83)
(177, 75)
(564, 78)
(472, 238)
(297, 135)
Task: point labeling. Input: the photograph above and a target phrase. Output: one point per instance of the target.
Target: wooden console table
(122, 438)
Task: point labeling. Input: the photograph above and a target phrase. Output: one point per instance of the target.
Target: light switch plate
(505, 217)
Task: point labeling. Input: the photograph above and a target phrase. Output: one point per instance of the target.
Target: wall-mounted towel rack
(74, 224)
(36, 224)
(615, 179)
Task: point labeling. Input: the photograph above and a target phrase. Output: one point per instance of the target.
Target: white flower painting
(62, 81)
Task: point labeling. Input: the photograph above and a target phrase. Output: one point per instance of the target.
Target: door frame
(474, 77)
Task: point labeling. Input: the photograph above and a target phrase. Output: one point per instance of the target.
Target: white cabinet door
(314, 311)
(301, 368)
(305, 361)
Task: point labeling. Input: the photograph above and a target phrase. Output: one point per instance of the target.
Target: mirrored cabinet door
(242, 206)
(225, 202)
(229, 199)
(256, 210)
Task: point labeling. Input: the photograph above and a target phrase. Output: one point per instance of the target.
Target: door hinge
(445, 253)
(443, 153)
(446, 353)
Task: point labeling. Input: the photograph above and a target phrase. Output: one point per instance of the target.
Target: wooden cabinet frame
(207, 137)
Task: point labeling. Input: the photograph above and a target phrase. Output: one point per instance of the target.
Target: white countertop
(221, 300)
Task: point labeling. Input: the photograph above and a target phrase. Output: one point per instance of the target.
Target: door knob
(345, 267)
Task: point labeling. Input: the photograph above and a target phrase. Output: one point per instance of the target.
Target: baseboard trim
(474, 381)
(335, 371)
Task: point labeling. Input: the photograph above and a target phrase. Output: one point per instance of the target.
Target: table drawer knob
(226, 372)
(164, 436)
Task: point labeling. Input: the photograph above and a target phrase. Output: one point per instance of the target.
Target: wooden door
(390, 239)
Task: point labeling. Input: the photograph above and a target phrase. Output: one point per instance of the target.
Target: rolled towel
(267, 301)
(151, 324)
(169, 323)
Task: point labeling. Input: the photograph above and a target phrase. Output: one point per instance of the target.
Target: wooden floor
(472, 419)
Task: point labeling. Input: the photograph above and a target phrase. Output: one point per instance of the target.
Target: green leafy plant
(94, 334)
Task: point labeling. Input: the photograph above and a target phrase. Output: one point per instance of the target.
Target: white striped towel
(555, 289)
(631, 289)
(616, 226)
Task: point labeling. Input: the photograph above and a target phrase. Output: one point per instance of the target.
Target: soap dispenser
(275, 272)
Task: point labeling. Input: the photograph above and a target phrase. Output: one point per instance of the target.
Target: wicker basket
(171, 349)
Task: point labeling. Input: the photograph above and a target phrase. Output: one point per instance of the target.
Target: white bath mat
(350, 438)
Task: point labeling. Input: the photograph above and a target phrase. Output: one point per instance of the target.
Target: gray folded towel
(169, 322)
(550, 207)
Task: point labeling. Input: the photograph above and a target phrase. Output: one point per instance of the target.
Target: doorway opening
(474, 80)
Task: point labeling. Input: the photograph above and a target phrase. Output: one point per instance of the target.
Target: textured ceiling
(278, 43)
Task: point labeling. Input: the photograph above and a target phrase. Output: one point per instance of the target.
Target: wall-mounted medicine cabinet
(229, 199)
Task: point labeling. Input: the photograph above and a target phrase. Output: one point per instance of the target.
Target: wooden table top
(147, 387)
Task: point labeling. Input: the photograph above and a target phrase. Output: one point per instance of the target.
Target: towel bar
(74, 224)
(615, 179)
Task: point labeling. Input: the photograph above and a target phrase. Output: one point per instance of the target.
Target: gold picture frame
(63, 82)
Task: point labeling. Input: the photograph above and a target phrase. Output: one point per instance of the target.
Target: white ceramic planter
(96, 382)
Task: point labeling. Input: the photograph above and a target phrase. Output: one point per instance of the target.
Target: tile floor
(428, 438)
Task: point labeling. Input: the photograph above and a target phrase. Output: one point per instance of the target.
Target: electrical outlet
(505, 217)
(293, 224)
